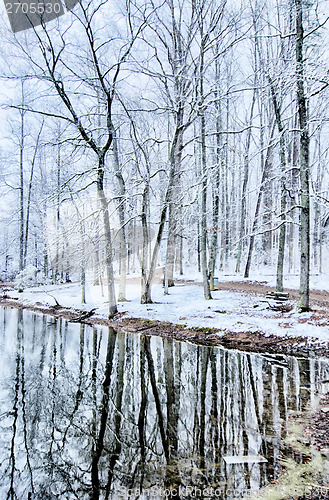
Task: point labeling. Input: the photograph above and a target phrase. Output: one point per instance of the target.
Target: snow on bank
(229, 310)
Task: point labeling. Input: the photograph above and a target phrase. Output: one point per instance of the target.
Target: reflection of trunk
(25, 417)
(104, 412)
(172, 410)
(243, 403)
(19, 385)
(203, 388)
(214, 414)
(151, 368)
(94, 383)
(282, 401)
(196, 428)
(243, 411)
(172, 370)
(118, 410)
(224, 397)
(107, 232)
(53, 373)
(39, 380)
(79, 393)
(12, 457)
(142, 409)
(252, 379)
(304, 381)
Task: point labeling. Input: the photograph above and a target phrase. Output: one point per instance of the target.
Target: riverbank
(306, 478)
(239, 316)
(244, 322)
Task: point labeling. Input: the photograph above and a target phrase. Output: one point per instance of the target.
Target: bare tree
(71, 81)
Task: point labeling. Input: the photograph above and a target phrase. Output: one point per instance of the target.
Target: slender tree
(304, 290)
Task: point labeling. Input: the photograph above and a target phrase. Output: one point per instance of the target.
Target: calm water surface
(88, 413)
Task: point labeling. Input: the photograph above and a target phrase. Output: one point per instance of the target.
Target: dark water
(89, 413)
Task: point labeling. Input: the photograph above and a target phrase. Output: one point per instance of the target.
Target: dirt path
(320, 298)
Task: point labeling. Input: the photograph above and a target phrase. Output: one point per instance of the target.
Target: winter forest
(164, 227)
(186, 134)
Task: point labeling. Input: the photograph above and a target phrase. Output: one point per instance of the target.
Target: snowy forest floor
(239, 316)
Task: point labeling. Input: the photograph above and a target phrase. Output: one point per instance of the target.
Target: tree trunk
(122, 232)
(204, 268)
(170, 254)
(147, 278)
(108, 241)
(267, 165)
(173, 209)
(243, 212)
(282, 235)
(216, 187)
(303, 302)
(29, 193)
(21, 189)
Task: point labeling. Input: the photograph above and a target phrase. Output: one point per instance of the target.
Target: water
(89, 413)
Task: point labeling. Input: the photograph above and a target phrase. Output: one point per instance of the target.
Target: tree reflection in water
(90, 413)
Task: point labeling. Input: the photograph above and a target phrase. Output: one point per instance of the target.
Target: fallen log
(83, 316)
(280, 306)
(280, 296)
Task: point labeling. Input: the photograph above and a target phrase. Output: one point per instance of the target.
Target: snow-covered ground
(317, 281)
(229, 310)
